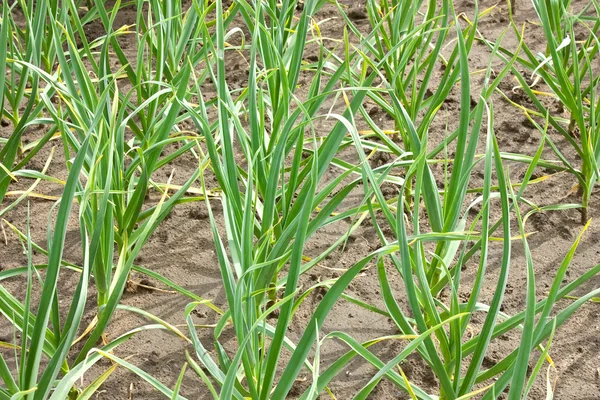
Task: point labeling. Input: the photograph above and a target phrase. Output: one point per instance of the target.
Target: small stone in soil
(373, 111)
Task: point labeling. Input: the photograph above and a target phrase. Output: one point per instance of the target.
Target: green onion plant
(567, 70)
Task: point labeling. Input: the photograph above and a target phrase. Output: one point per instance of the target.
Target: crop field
(299, 199)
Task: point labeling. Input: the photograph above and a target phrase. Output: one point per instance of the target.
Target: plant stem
(584, 192)
(572, 125)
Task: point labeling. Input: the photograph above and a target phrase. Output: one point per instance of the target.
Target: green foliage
(567, 69)
(278, 148)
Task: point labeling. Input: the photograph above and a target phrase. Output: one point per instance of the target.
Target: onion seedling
(567, 70)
